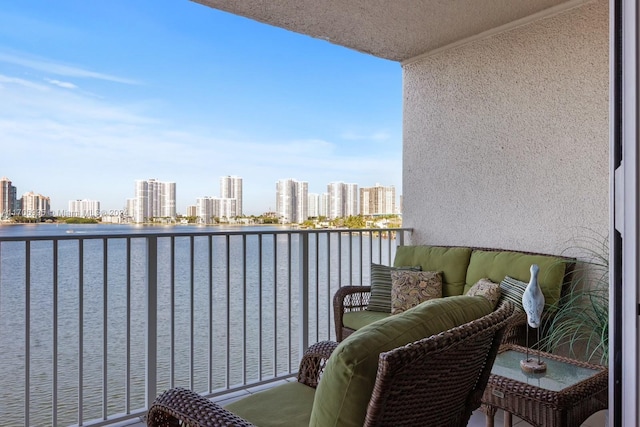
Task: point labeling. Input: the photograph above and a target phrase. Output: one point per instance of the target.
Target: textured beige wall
(506, 139)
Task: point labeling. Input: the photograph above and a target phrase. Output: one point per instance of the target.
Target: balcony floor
(477, 419)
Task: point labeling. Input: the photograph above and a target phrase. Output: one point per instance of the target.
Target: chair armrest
(314, 361)
(179, 406)
(348, 298)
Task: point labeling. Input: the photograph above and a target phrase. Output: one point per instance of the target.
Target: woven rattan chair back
(439, 380)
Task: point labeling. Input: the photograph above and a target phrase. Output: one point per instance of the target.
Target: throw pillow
(380, 298)
(488, 289)
(512, 290)
(410, 288)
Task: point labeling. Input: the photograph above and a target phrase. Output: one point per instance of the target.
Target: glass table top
(559, 375)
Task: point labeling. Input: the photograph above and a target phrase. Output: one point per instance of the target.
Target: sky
(97, 94)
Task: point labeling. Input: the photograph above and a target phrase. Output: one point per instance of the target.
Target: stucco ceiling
(393, 29)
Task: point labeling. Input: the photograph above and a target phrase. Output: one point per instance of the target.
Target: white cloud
(59, 83)
(380, 135)
(60, 69)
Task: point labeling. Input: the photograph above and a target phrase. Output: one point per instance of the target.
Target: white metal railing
(93, 327)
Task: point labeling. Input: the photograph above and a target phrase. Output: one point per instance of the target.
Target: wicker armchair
(438, 380)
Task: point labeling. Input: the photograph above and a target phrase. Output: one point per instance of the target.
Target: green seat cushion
(287, 405)
(358, 319)
(496, 265)
(344, 392)
(452, 261)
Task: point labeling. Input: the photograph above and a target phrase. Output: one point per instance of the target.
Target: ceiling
(398, 30)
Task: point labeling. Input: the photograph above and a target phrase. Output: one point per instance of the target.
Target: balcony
(94, 326)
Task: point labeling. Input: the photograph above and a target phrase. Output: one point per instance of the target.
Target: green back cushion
(345, 389)
(496, 265)
(287, 405)
(452, 262)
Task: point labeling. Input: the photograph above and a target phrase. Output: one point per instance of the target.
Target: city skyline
(159, 198)
(92, 103)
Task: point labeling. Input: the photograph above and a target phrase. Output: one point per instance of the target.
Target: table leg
(508, 422)
(490, 413)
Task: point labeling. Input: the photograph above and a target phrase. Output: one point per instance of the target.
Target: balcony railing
(93, 327)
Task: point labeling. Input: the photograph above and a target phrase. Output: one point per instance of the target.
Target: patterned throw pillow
(512, 290)
(380, 299)
(488, 289)
(410, 288)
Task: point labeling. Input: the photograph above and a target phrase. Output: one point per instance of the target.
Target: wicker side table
(566, 395)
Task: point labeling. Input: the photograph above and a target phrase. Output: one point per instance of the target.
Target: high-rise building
(35, 205)
(208, 209)
(323, 209)
(378, 200)
(343, 199)
(192, 210)
(205, 210)
(8, 198)
(84, 208)
(154, 199)
(314, 205)
(292, 201)
(231, 188)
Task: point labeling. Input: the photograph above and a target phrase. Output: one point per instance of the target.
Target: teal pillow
(380, 298)
(344, 392)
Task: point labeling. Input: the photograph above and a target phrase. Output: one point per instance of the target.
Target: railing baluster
(104, 328)
(172, 332)
(275, 305)
(210, 320)
(289, 279)
(27, 333)
(80, 329)
(127, 390)
(244, 309)
(151, 339)
(54, 352)
(228, 311)
(192, 291)
(260, 307)
(303, 294)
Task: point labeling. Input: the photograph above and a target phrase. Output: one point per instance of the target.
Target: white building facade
(154, 199)
(292, 201)
(378, 200)
(84, 208)
(231, 188)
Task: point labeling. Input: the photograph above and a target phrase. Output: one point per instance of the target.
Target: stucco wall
(506, 139)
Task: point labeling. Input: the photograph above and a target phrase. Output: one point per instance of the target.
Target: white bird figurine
(533, 304)
(533, 299)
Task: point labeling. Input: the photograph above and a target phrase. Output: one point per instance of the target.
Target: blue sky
(94, 95)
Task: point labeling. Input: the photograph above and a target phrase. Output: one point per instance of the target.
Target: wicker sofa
(462, 267)
(426, 366)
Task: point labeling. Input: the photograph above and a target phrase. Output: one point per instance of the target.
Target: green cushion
(380, 298)
(357, 319)
(346, 386)
(285, 405)
(496, 265)
(452, 262)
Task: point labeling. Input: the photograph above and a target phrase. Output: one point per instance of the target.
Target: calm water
(258, 305)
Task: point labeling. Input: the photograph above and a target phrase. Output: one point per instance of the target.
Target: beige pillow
(410, 288)
(488, 289)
